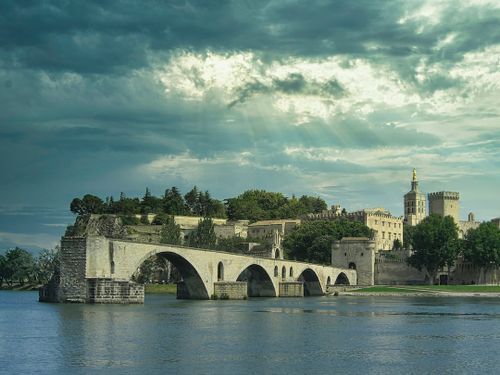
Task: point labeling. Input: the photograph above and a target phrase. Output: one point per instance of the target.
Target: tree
(435, 244)
(262, 205)
(170, 232)
(46, 264)
(19, 265)
(312, 241)
(150, 203)
(408, 231)
(3, 269)
(235, 244)
(397, 245)
(90, 204)
(192, 201)
(482, 248)
(204, 235)
(173, 202)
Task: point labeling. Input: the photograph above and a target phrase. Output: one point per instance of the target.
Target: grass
(431, 288)
(160, 288)
(384, 289)
(461, 288)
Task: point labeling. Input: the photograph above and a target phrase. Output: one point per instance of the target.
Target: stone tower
(414, 203)
(445, 203)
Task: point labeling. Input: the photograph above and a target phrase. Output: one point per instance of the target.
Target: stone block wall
(291, 289)
(397, 272)
(114, 291)
(230, 290)
(356, 253)
(73, 283)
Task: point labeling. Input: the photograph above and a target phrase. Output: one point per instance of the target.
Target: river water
(317, 335)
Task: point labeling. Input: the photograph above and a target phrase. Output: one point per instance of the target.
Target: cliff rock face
(97, 225)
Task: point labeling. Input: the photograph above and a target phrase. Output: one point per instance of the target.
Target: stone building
(386, 228)
(465, 225)
(274, 231)
(357, 253)
(414, 203)
(445, 203)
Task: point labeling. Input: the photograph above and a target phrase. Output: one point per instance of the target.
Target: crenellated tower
(445, 203)
(414, 203)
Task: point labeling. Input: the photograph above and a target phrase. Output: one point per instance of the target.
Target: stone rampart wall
(397, 273)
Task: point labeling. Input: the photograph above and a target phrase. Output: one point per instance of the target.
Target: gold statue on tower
(414, 174)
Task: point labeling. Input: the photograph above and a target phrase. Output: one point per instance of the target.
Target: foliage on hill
(194, 203)
(251, 205)
(312, 241)
(257, 205)
(435, 244)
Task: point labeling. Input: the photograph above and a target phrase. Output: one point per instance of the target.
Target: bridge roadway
(100, 269)
(201, 269)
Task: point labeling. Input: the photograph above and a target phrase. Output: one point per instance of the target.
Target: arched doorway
(220, 271)
(352, 266)
(342, 279)
(312, 286)
(259, 283)
(291, 271)
(191, 285)
(277, 254)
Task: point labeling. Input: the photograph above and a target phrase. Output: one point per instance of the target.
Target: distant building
(465, 226)
(414, 203)
(386, 228)
(273, 230)
(496, 221)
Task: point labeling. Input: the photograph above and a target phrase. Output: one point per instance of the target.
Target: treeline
(252, 205)
(436, 245)
(21, 267)
(194, 203)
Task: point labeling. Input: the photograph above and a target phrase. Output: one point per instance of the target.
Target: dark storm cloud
(107, 36)
(294, 83)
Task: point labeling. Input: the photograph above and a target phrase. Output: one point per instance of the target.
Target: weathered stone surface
(98, 269)
(97, 225)
(230, 290)
(356, 253)
(292, 289)
(114, 291)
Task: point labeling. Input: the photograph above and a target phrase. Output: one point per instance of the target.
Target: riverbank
(427, 291)
(21, 288)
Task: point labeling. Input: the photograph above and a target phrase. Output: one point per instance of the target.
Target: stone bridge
(99, 269)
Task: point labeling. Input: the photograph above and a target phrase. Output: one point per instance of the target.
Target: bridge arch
(342, 279)
(259, 282)
(312, 285)
(192, 285)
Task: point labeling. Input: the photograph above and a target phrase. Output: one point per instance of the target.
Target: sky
(337, 99)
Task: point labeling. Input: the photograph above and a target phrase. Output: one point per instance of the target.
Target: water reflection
(303, 335)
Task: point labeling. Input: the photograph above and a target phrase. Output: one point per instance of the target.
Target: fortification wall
(397, 273)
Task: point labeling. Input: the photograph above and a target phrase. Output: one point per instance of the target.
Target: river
(320, 335)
